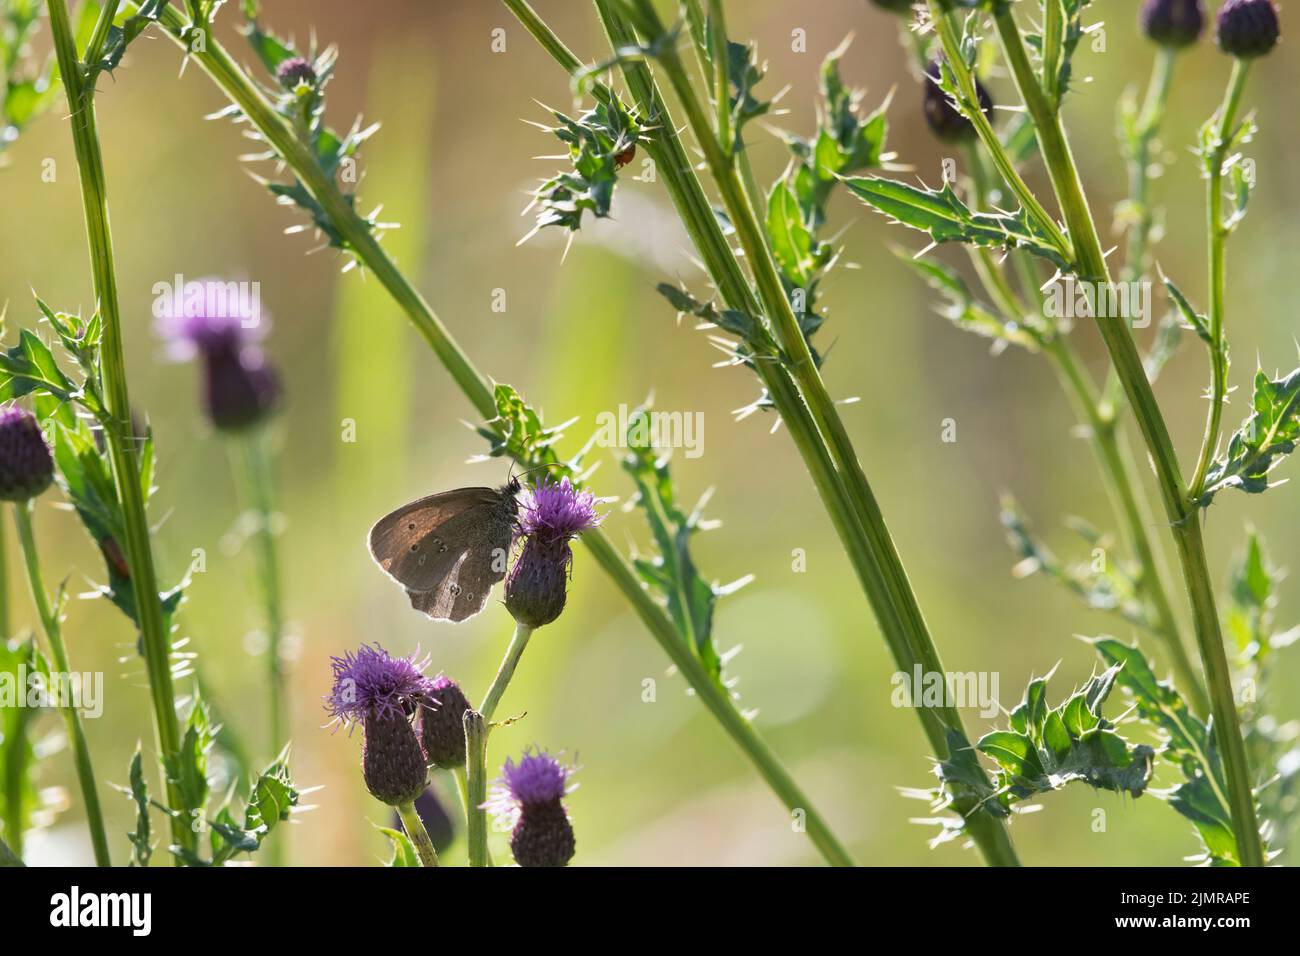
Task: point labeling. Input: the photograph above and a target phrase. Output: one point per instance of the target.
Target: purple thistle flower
(553, 515)
(222, 328)
(1247, 28)
(294, 71)
(529, 797)
(371, 681)
(382, 693)
(442, 727)
(1172, 23)
(26, 467)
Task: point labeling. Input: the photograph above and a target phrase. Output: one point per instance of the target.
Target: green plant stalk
(476, 736)
(99, 35)
(1182, 512)
(53, 629)
(1104, 437)
(252, 461)
(118, 432)
(232, 80)
(1053, 22)
(414, 827)
(1139, 176)
(13, 795)
(506, 671)
(1216, 241)
(4, 590)
(899, 604)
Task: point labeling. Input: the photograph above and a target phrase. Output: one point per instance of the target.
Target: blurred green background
(660, 784)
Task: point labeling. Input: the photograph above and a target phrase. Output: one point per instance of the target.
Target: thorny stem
(232, 80)
(863, 531)
(1216, 239)
(253, 464)
(53, 629)
(1182, 512)
(414, 827)
(476, 735)
(99, 36)
(1109, 450)
(118, 432)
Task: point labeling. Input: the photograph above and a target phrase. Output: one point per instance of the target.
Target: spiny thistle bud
(537, 585)
(240, 388)
(442, 724)
(1247, 28)
(1172, 23)
(26, 468)
(946, 121)
(294, 71)
(382, 693)
(529, 799)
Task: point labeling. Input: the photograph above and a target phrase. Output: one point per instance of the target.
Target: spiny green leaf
(142, 836)
(1264, 438)
(404, 854)
(942, 215)
(671, 572)
(1048, 748)
(1186, 742)
(962, 308)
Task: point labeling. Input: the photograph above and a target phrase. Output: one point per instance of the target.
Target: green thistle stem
(53, 629)
(506, 671)
(414, 827)
(252, 459)
(118, 431)
(872, 549)
(476, 738)
(216, 62)
(1216, 239)
(1182, 512)
(1112, 459)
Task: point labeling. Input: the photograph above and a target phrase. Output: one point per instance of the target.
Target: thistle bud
(529, 798)
(295, 71)
(26, 467)
(1172, 23)
(537, 585)
(946, 121)
(240, 388)
(382, 693)
(1247, 28)
(442, 728)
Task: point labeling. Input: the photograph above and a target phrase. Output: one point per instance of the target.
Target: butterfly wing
(447, 550)
(419, 544)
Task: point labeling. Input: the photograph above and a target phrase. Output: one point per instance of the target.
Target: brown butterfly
(448, 550)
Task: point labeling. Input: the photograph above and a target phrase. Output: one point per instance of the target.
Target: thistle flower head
(1247, 28)
(442, 727)
(382, 692)
(946, 121)
(26, 467)
(537, 585)
(1172, 23)
(557, 511)
(370, 682)
(221, 329)
(294, 71)
(528, 798)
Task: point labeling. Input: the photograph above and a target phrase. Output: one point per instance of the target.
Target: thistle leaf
(671, 573)
(1264, 438)
(942, 215)
(1048, 748)
(404, 854)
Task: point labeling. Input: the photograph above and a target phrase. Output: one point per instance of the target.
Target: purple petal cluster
(556, 511)
(529, 798)
(372, 683)
(537, 778)
(296, 70)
